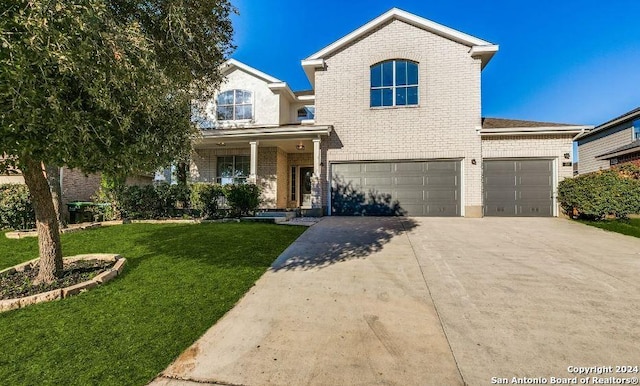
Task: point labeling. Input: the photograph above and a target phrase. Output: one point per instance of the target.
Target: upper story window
(234, 105)
(306, 112)
(394, 83)
(636, 129)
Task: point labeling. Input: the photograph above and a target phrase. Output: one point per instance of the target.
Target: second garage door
(418, 188)
(518, 187)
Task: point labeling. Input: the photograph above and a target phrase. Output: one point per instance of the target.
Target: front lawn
(178, 281)
(630, 227)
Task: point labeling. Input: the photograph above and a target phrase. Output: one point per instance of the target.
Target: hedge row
(16, 211)
(164, 200)
(613, 192)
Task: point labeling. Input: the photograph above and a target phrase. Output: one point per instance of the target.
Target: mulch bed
(18, 284)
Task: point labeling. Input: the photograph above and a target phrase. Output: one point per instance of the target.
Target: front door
(305, 187)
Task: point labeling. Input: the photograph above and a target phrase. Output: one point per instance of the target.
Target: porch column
(316, 192)
(253, 168)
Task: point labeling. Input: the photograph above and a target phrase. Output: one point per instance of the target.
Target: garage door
(420, 188)
(518, 187)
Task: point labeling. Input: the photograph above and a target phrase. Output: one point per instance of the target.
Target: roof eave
(269, 132)
(607, 125)
(550, 130)
(229, 64)
(604, 157)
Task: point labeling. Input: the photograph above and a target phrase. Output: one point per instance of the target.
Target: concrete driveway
(397, 301)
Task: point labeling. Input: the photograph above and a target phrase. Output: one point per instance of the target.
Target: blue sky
(572, 61)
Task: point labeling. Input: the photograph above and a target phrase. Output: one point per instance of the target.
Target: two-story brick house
(393, 125)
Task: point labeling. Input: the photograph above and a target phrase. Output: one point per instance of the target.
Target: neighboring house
(611, 143)
(75, 185)
(393, 125)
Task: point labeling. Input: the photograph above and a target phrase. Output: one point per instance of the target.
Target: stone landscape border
(111, 273)
(34, 233)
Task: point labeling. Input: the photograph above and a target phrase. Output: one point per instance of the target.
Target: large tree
(103, 86)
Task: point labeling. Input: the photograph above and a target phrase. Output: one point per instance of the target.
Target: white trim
(479, 47)
(546, 130)
(463, 212)
(305, 98)
(282, 86)
(395, 13)
(555, 181)
(275, 131)
(226, 67)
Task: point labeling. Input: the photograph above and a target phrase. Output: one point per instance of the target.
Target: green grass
(179, 279)
(630, 227)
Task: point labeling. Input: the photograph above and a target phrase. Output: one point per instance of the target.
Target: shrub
(206, 198)
(243, 199)
(16, 211)
(612, 192)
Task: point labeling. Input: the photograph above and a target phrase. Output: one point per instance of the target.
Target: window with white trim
(232, 169)
(636, 129)
(234, 105)
(394, 83)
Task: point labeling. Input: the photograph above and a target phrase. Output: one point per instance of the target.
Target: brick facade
(444, 124)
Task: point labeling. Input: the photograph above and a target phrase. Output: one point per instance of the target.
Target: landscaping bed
(18, 284)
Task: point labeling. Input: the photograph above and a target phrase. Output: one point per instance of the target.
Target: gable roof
(230, 64)
(479, 47)
(502, 126)
(628, 116)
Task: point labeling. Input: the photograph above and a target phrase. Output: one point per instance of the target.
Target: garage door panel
(499, 196)
(417, 167)
(347, 168)
(421, 188)
(533, 210)
(518, 187)
(447, 195)
(373, 182)
(410, 181)
(442, 166)
(496, 167)
(539, 195)
(533, 166)
(409, 195)
(448, 181)
(442, 210)
(500, 210)
(535, 180)
(378, 167)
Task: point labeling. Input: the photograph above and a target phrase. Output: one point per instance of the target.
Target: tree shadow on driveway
(338, 239)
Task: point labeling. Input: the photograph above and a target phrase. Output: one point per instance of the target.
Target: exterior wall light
(300, 147)
(473, 161)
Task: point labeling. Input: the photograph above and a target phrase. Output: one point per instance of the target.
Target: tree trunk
(46, 220)
(53, 176)
(181, 173)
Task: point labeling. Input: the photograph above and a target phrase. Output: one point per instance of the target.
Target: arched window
(234, 105)
(394, 83)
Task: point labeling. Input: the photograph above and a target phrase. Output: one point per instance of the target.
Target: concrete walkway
(444, 301)
(346, 304)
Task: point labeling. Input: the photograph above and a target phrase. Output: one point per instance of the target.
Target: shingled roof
(501, 123)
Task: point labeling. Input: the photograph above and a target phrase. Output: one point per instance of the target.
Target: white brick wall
(601, 143)
(442, 126)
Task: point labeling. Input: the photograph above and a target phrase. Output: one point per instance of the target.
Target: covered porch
(285, 161)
